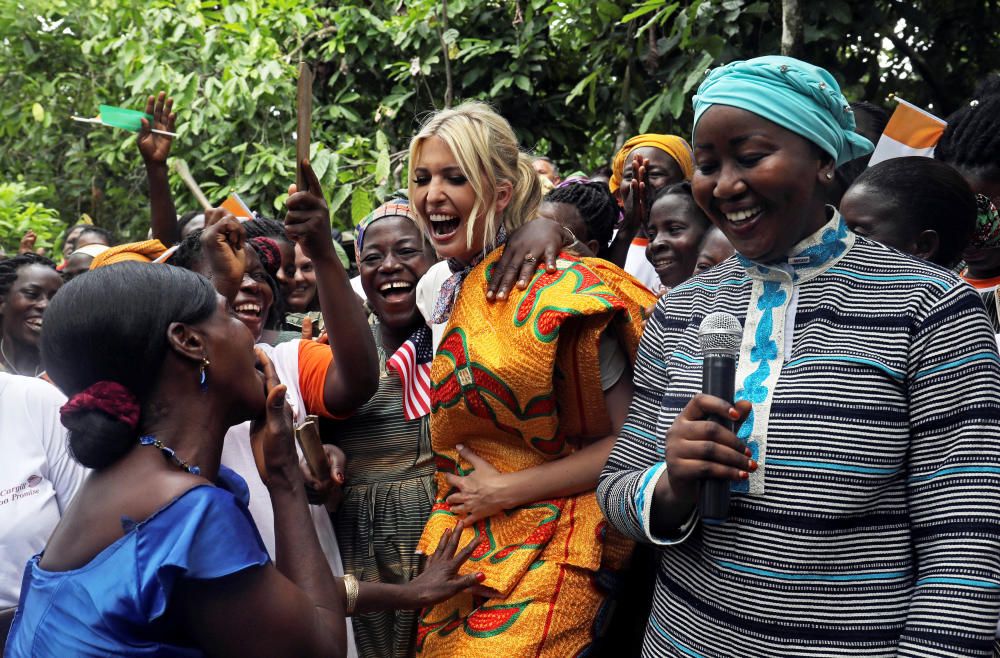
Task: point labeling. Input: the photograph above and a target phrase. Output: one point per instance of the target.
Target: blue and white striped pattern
(878, 533)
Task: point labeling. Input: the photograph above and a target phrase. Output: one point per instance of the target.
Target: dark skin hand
(155, 149)
(541, 238)
(698, 449)
(330, 491)
(223, 241)
(27, 243)
(635, 207)
(352, 377)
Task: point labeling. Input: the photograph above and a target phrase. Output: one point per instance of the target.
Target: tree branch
(791, 28)
(941, 98)
(442, 27)
(309, 37)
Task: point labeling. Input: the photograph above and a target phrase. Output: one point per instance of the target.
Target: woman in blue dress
(158, 555)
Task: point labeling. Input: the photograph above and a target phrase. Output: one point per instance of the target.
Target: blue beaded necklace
(150, 440)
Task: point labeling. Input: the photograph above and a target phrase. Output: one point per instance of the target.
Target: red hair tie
(110, 397)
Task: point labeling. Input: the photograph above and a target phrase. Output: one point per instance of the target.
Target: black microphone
(719, 336)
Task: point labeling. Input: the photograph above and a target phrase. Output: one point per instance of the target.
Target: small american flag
(412, 362)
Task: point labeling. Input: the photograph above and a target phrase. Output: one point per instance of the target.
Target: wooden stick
(304, 134)
(101, 123)
(182, 170)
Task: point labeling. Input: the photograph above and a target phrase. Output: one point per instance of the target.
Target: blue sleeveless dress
(114, 604)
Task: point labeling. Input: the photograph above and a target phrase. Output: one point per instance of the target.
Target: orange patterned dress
(519, 384)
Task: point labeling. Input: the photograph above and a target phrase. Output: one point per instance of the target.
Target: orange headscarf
(674, 146)
(142, 252)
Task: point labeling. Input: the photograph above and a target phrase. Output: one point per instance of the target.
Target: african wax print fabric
(519, 384)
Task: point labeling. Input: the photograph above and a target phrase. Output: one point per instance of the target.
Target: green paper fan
(119, 117)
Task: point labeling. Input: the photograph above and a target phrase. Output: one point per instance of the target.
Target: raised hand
(271, 433)
(27, 242)
(223, 240)
(635, 197)
(155, 147)
(307, 222)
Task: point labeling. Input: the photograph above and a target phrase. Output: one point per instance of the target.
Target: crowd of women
(509, 395)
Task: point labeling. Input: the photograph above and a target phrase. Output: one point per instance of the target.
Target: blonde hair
(486, 150)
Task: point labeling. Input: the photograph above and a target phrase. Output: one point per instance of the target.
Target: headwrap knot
(800, 97)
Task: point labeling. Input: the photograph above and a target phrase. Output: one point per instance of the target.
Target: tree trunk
(791, 28)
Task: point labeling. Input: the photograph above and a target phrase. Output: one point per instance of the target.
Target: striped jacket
(878, 532)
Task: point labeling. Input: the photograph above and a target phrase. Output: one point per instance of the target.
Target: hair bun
(102, 421)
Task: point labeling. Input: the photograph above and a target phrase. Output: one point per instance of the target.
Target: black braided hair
(265, 227)
(597, 208)
(971, 141)
(9, 268)
(190, 255)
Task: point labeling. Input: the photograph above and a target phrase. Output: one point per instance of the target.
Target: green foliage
(19, 212)
(574, 77)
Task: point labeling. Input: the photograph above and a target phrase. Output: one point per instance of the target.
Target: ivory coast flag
(235, 205)
(910, 131)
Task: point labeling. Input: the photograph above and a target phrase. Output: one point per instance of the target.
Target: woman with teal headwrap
(865, 487)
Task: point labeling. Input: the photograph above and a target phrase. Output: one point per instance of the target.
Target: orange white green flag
(910, 131)
(237, 207)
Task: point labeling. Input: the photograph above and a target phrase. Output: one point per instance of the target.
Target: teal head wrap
(796, 95)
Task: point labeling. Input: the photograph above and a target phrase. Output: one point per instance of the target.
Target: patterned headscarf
(796, 95)
(674, 146)
(987, 233)
(394, 207)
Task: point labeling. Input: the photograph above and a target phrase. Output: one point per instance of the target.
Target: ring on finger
(530, 259)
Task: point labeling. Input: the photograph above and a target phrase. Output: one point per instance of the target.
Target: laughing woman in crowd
(27, 285)
(865, 467)
(527, 396)
(389, 483)
(158, 554)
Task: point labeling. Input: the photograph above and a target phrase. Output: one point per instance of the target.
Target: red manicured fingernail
(733, 414)
(480, 576)
(753, 464)
(748, 452)
(744, 475)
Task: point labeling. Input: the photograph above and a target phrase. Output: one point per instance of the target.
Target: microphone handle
(718, 376)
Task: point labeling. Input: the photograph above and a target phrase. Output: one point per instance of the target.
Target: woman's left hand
(481, 494)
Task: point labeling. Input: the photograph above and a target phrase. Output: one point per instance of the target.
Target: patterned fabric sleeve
(954, 480)
(636, 463)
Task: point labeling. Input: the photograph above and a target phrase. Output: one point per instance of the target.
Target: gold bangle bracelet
(351, 590)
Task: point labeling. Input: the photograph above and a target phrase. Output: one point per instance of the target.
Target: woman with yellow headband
(644, 165)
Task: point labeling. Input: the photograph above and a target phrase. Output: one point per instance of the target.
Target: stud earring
(203, 375)
(829, 175)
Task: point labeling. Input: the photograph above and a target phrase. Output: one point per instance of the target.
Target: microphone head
(720, 334)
